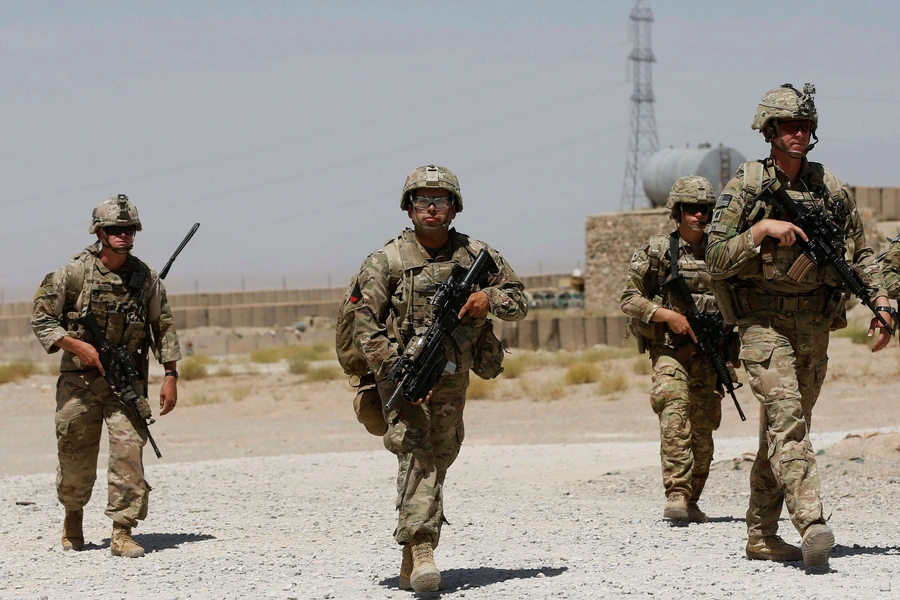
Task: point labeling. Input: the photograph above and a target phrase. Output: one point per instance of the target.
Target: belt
(752, 300)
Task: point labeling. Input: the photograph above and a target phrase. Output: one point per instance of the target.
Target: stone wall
(610, 240)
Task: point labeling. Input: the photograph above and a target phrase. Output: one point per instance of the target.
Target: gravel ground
(539, 521)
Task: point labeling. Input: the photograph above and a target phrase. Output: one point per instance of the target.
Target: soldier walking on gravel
(784, 315)
(389, 304)
(684, 395)
(129, 303)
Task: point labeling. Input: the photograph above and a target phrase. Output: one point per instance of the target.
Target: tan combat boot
(676, 508)
(425, 576)
(121, 544)
(694, 514)
(772, 547)
(818, 541)
(406, 568)
(73, 536)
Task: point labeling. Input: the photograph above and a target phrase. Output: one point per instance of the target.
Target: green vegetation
(298, 365)
(479, 388)
(582, 372)
(611, 382)
(514, 366)
(326, 373)
(191, 368)
(15, 371)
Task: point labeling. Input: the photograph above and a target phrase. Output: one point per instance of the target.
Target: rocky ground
(274, 491)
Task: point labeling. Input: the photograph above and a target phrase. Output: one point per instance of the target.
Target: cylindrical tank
(666, 166)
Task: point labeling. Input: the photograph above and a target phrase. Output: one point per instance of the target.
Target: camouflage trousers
(689, 407)
(785, 355)
(83, 402)
(426, 439)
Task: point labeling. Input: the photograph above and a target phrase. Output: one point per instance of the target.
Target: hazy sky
(287, 128)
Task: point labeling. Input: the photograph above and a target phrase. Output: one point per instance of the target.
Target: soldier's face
(428, 216)
(695, 216)
(117, 237)
(795, 134)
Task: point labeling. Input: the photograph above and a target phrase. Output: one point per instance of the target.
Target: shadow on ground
(155, 542)
(467, 579)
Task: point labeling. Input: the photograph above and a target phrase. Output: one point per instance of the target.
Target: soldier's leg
(79, 421)
(706, 416)
(669, 398)
(129, 492)
(789, 452)
(447, 429)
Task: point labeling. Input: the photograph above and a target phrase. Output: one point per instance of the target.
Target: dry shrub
(15, 371)
(642, 366)
(202, 358)
(565, 359)
(269, 354)
(272, 354)
(611, 382)
(298, 365)
(326, 373)
(200, 399)
(542, 391)
(189, 369)
(240, 392)
(224, 371)
(515, 366)
(479, 388)
(582, 372)
(601, 353)
(857, 334)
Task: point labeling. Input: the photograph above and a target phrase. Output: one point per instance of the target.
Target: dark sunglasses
(694, 209)
(116, 231)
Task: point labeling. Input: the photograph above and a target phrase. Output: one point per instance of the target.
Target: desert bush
(582, 372)
(224, 371)
(601, 353)
(514, 366)
(298, 365)
(240, 392)
(271, 354)
(857, 334)
(642, 366)
(15, 371)
(189, 369)
(200, 399)
(611, 382)
(542, 391)
(479, 388)
(202, 358)
(326, 373)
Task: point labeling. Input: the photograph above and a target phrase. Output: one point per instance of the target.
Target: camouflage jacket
(114, 298)
(731, 254)
(890, 268)
(649, 268)
(395, 302)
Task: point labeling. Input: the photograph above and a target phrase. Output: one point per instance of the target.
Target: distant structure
(666, 166)
(643, 141)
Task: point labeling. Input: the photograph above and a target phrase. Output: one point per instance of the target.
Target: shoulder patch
(723, 201)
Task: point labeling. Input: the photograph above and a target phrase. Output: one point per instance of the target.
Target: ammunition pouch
(367, 406)
(647, 335)
(487, 353)
(725, 301)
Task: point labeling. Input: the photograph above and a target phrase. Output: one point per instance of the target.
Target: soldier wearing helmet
(129, 302)
(388, 302)
(684, 396)
(784, 316)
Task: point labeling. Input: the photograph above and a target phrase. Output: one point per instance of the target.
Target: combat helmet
(786, 102)
(432, 176)
(116, 211)
(691, 189)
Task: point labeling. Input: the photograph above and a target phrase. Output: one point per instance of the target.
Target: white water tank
(717, 164)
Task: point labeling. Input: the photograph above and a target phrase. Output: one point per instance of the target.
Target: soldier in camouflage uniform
(784, 316)
(684, 394)
(130, 305)
(390, 304)
(890, 268)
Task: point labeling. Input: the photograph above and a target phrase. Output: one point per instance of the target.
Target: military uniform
(890, 268)
(684, 394)
(426, 438)
(130, 305)
(784, 326)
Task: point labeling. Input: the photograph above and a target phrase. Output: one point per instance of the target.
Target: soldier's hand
(168, 395)
(424, 400)
(884, 337)
(476, 306)
(676, 321)
(785, 232)
(86, 353)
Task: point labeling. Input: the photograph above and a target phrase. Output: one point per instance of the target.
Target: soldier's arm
(634, 299)
(162, 325)
(890, 268)
(731, 242)
(46, 314)
(863, 255)
(506, 293)
(370, 309)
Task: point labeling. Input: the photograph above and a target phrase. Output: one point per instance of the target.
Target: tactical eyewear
(439, 202)
(694, 209)
(116, 231)
(794, 125)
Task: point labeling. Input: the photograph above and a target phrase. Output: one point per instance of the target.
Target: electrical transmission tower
(642, 139)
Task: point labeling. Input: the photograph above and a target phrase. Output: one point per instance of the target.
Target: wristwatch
(172, 374)
(889, 310)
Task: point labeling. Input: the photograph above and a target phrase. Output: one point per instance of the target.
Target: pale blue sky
(288, 128)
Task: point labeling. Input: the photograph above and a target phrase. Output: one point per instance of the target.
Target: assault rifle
(826, 243)
(121, 375)
(708, 327)
(419, 367)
